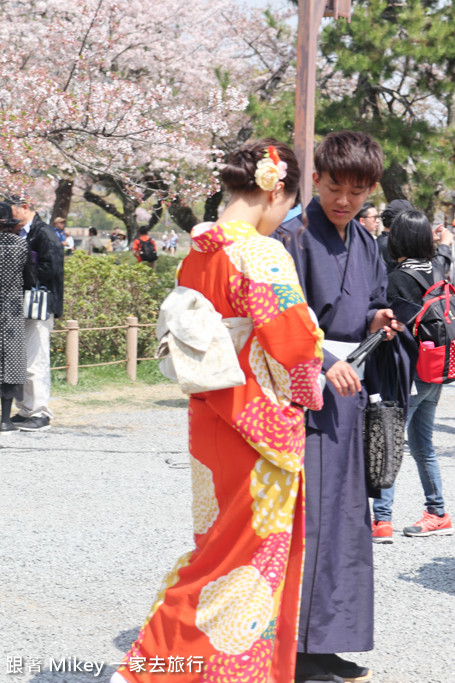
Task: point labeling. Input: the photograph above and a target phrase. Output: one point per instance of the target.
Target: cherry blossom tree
(139, 97)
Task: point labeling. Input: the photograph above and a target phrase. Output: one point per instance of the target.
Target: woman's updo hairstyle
(238, 174)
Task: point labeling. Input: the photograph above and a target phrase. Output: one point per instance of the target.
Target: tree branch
(73, 68)
(90, 196)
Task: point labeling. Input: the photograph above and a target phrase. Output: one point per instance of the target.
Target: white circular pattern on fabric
(262, 259)
(258, 365)
(234, 610)
(280, 376)
(205, 504)
(271, 376)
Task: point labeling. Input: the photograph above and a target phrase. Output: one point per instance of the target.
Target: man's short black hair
(348, 155)
(364, 210)
(411, 236)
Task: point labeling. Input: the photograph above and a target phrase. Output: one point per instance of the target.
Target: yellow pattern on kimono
(274, 492)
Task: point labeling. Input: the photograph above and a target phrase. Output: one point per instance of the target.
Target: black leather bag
(383, 439)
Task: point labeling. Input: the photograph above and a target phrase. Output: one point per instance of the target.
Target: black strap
(419, 277)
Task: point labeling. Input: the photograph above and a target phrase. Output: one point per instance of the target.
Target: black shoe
(8, 427)
(348, 671)
(34, 424)
(19, 418)
(308, 669)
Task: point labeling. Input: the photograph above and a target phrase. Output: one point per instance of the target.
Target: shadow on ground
(64, 669)
(173, 403)
(438, 427)
(437, 575)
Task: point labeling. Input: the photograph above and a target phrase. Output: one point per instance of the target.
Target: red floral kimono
(228, 611)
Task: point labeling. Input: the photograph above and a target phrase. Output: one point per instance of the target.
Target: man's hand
(344, 378)
(385, 319)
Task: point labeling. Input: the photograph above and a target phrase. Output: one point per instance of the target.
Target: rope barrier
(72, 348)
(97, 329)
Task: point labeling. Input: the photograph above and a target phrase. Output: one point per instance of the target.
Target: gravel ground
(96, 510)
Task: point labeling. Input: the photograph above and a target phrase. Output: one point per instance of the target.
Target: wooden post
(131, 347)
(72, 351)
(310, 15)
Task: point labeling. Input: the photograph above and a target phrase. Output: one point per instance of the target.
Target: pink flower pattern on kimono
(271, 558)
(303, 377)
(252, 666)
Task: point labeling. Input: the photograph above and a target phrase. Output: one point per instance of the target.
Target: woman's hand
(344, 378)
(442, 235)
(385, 319)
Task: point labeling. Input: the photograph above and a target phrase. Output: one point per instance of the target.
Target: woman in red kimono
(228, 611)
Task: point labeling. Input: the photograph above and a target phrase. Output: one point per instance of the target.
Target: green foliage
(91, 379)
(84, 214)
(391, 73)
(223, 78)
(274, 118)
(102, 291)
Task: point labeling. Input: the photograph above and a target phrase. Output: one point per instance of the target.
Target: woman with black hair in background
(411, 245)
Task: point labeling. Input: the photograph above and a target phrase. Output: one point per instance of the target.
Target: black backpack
(147, 251)
(434, 330)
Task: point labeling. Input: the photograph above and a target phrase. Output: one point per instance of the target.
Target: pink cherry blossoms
(96, 87)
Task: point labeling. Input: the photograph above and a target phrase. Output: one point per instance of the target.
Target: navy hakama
(345, 284)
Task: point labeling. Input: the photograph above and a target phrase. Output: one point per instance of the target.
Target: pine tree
(391, 73)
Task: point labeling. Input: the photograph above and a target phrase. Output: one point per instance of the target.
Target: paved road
(93, 515)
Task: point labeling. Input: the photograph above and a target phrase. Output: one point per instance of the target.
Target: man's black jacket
(47, 252)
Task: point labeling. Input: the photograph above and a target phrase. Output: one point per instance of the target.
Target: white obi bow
(197, 346)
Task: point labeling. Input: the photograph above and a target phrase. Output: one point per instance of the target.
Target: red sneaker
(382, 532)
(430, 525)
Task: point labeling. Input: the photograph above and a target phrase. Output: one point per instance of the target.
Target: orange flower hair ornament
(270, 170)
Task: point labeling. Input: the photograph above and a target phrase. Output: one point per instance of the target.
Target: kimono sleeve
(283, 324)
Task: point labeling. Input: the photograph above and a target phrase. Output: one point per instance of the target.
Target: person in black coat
(47, 254)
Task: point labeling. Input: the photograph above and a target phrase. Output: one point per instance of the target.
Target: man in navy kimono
(345, 283)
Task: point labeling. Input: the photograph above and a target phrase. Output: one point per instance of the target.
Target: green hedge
(102, 291)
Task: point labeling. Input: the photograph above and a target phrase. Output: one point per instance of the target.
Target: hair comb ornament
(270, 170)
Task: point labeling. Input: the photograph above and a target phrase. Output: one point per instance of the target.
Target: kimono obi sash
(341, 350)
(197, 346)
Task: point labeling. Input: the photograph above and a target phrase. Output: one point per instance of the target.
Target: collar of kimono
(209, 237)
(326, 229)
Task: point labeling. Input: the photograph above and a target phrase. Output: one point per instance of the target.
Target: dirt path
(79, 409)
